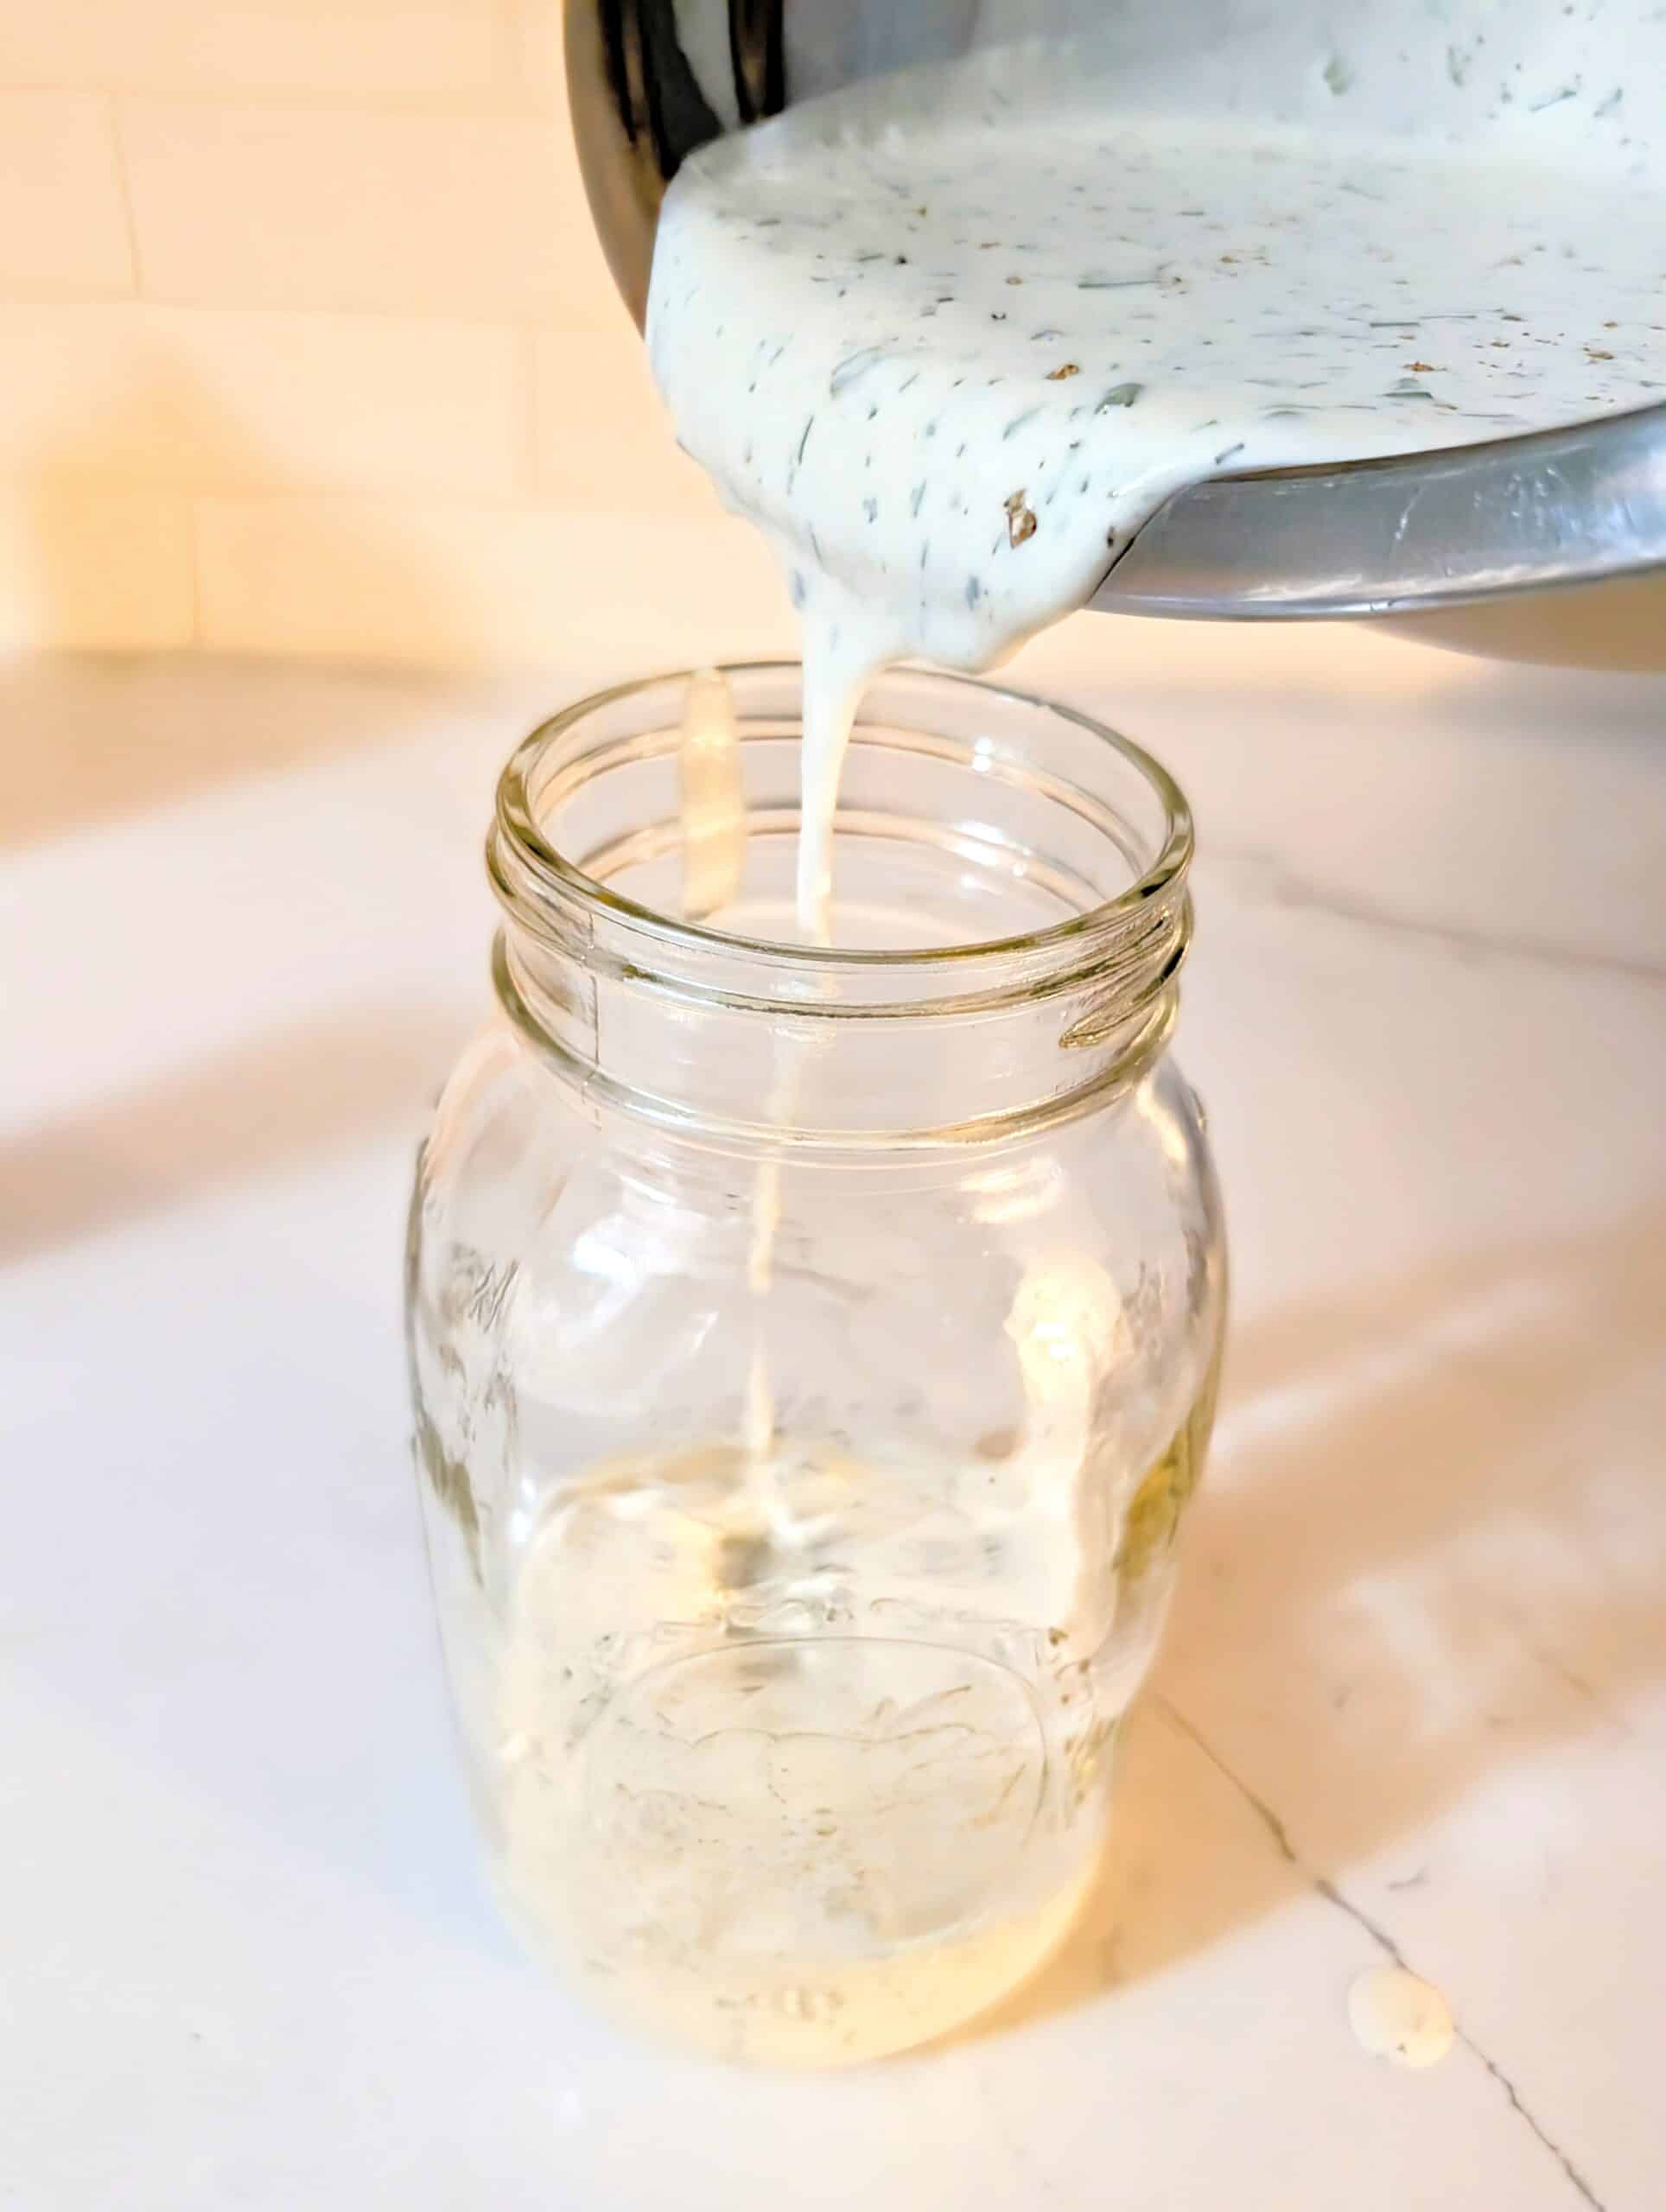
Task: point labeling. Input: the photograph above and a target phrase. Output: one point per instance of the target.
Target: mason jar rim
(518, 832)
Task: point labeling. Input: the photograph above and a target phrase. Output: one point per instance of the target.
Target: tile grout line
(515, 103)
(529, 411)
(135, 269)
(193, 559)
(510, 42)
(118, 154)
(1328, 1891)
(493, 317)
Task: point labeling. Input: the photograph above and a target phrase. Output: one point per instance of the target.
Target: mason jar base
(815, 2009)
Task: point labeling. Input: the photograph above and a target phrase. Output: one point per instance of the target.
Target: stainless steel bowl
(1562, 511)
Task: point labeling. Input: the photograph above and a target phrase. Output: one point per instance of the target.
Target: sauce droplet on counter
(1396, 2015)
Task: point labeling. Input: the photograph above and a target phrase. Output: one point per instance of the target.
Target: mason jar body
(813, 1350)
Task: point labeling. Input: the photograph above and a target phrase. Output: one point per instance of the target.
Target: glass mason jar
(813, 1350)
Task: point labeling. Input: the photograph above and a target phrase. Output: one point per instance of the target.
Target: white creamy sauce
(949, 337)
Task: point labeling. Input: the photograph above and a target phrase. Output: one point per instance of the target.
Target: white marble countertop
(1412, 1701)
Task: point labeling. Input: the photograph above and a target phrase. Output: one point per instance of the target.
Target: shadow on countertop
(1408, 1568)
(89, 738)
(272, 1102)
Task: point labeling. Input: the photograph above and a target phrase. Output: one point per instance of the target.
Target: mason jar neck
(750, 1044)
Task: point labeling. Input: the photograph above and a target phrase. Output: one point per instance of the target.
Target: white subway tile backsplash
(307, 345)
(225, 398)
(436, 49)
(453, 584)
(539, 23)
(603, 437)
(99, 566)
(263, 206)
(63, 230)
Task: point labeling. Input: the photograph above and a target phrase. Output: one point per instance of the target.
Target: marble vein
(1266, 882)
(1323, 1887)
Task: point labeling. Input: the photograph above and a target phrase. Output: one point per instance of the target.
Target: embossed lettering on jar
(813, 1350)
